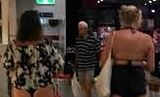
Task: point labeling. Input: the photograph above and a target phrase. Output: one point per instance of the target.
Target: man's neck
(84, 35)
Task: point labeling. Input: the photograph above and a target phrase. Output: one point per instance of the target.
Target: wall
(5, 20)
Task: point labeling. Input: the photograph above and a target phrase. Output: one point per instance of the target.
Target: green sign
(45, 1)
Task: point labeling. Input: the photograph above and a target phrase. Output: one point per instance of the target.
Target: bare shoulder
(144, 35)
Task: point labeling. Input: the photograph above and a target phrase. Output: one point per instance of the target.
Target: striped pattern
(87, 50)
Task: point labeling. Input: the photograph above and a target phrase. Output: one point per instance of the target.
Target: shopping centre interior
(105, 12)
(59, 20)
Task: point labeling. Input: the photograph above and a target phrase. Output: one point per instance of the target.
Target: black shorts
(128, 81)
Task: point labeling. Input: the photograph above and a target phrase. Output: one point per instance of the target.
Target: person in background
(131, 49)
(31, 60)
(87, 47)
(70, 60)
(156, 39)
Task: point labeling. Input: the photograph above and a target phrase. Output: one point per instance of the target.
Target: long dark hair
(29, 26)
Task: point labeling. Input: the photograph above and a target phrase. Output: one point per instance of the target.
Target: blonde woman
(131, 49)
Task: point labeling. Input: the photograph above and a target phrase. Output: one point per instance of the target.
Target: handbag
(103, 80)
(76, 87)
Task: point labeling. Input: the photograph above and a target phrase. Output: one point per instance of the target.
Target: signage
(49, 2)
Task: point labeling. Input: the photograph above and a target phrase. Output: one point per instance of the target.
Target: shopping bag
(76, 87)
(103, 80)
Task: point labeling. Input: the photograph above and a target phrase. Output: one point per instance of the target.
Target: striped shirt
(87, 52)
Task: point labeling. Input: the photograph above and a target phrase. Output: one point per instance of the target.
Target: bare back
(130, 46)
(133, 46)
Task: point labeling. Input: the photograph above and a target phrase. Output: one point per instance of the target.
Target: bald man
(82, 28)
(87, 47)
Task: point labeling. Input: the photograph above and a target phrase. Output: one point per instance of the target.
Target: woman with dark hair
(29, 27)
(130, 50)
(30, 60)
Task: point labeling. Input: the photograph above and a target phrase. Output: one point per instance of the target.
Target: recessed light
(98, 1)
(150, 1)
(153, 10)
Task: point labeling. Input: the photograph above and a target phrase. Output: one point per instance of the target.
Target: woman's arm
(150, 66)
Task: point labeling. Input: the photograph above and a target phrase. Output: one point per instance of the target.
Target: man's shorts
(86, 76)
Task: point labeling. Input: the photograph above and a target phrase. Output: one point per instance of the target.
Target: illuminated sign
(45, 2)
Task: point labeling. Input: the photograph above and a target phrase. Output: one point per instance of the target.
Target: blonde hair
(130, 16)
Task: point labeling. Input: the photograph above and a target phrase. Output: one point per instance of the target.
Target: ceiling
(136, 2)
(126, 1)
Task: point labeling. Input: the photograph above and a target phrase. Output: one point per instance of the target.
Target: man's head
(82, 28)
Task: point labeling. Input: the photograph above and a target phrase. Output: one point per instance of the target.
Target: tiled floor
(65, 88)
(67, 91)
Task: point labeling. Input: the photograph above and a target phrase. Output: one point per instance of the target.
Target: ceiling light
(98, 1)
(150, 1)
(154, 0)
(153, 10)
(145, 3)
(101, 0)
